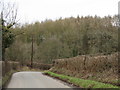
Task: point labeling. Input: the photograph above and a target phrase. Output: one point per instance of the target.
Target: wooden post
(32, 53)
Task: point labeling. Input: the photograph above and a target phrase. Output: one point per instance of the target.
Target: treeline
(64, 38)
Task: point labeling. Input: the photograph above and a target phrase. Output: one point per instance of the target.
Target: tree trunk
(3, 54)
(3, 48)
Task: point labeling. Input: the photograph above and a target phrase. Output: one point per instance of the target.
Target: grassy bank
(81, 82)
(7, 77)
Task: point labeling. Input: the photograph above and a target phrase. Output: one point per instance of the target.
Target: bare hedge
(99, 67)
(40, 66)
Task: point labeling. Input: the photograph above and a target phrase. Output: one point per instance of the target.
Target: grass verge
(7, 77)
(80, 82)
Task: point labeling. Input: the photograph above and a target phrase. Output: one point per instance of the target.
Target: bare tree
(8, 17)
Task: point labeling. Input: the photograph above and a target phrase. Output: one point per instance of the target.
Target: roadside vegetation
(102, 68)
(7, 77)
(80, 82)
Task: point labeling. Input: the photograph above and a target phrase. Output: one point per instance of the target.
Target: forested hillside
(64, 38)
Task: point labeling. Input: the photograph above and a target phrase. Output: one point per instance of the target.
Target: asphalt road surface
(34, 80)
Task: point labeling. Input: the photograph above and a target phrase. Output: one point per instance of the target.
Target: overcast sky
(38, 10)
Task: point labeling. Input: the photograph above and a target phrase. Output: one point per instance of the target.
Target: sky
(30, 11)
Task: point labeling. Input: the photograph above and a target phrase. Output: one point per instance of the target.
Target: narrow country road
(34, 80)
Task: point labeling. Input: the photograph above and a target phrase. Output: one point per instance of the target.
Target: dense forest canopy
(64, 38)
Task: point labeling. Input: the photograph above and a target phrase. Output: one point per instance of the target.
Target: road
(34, 80)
